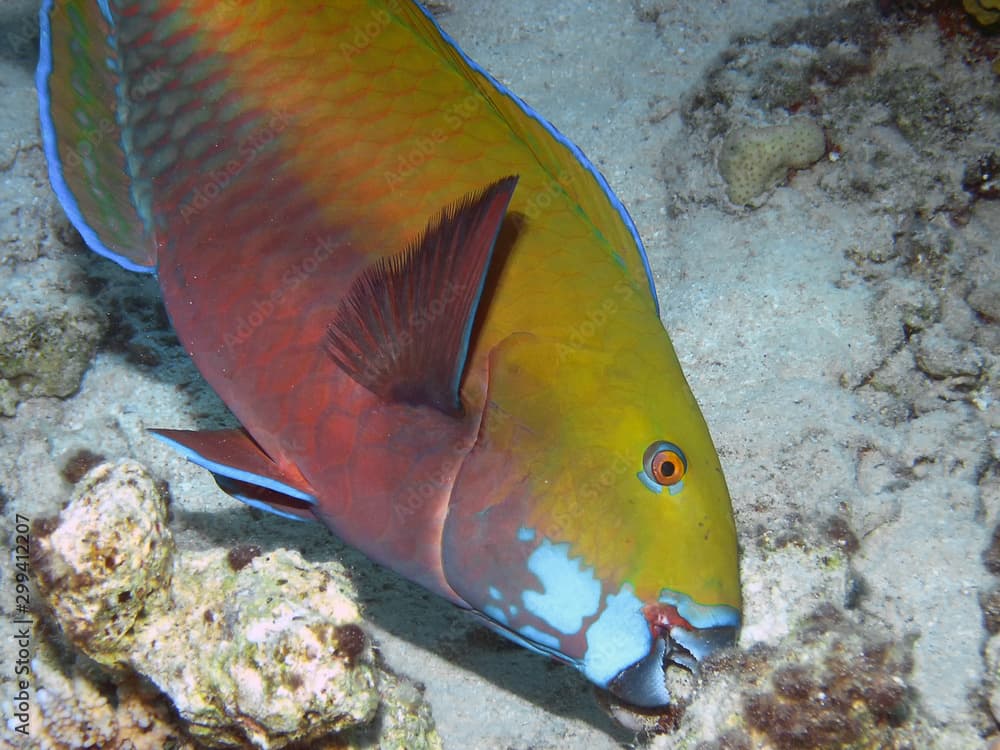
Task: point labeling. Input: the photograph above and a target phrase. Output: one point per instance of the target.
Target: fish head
(591, 520)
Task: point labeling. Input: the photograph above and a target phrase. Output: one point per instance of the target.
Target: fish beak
(675, 641)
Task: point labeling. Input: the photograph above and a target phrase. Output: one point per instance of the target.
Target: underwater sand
(831, 394)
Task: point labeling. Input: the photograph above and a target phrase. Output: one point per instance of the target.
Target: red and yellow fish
(433, 319)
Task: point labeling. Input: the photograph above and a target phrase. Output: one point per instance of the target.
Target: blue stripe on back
(573, 148)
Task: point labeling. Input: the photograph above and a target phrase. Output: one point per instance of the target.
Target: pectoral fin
(403, 330)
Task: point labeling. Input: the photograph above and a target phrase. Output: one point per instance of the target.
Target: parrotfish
(434, 321)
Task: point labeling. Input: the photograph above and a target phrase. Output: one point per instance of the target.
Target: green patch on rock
(45, 352)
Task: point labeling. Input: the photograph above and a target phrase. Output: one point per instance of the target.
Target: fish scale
(432, 318)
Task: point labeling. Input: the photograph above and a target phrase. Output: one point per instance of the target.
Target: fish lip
(675, 641)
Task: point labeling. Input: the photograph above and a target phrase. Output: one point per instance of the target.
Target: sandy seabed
(841, 336)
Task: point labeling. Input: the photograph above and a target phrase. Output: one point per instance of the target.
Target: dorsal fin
(403, 329)
(569, 169)
(84, 89)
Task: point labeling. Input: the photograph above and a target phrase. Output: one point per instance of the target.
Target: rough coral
(44, 351)
(72, 711)
(266, 653)
(105, 557)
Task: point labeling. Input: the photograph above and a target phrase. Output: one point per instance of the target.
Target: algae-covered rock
(104, 557)
(44, 351)
(267, 654)
(924, 105)
(832, 683)
(404, 721)
(72, 710)
(992, 658)
(984, 294)
(264, 653)
(755, 159)
(986, 12)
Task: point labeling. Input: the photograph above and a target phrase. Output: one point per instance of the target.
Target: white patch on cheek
(571, 592)
(618, 638)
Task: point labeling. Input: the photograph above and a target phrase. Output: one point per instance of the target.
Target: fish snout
(676, 640)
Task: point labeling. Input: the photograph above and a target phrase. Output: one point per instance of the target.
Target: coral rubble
(266, 652)
(755, 159)
(44, 351)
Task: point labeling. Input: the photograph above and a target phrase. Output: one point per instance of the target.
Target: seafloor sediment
(841, 332)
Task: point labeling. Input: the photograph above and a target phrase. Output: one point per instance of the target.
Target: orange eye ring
(664, 463)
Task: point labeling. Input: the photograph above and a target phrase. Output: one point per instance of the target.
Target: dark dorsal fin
(403, 329)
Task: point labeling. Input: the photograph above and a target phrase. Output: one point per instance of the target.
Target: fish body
(431, 316)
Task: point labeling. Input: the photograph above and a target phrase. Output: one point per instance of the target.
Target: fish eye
(664, 463)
